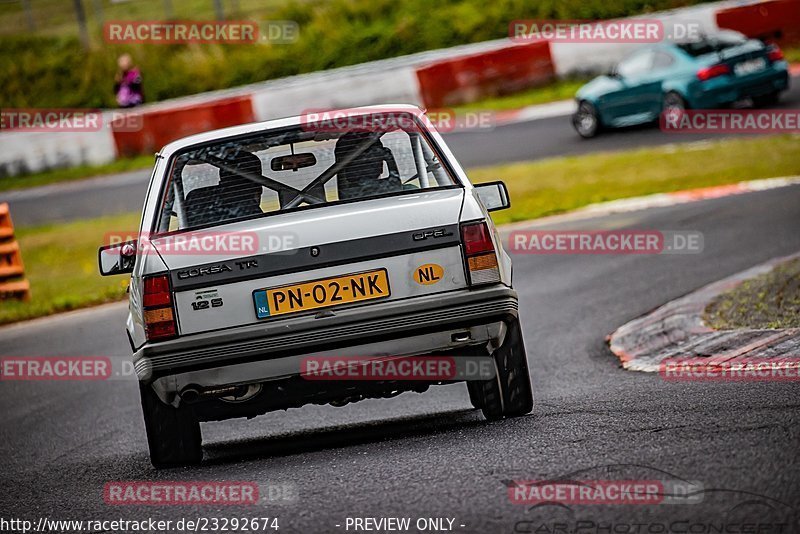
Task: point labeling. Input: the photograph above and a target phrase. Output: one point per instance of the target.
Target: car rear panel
(410, 242)
(752, 73)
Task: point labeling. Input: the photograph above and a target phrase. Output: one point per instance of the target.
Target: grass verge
(61, 260)
(61, 264)
(771, 300)
(75, 173)
(792, 54)
(557, 185)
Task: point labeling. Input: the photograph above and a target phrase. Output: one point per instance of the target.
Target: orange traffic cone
(12, 272)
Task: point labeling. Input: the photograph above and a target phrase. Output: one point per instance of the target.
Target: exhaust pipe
(190, 394)
(194, 393)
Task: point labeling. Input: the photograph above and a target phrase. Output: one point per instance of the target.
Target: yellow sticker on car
(428, 274)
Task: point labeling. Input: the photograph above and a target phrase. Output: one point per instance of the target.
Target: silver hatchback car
(266, 250)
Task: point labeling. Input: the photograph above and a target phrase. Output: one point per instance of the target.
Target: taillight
(479, 254)
(774, 53)
(159, 317)
(713, 71)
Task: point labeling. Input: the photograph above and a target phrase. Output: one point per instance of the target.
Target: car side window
(662, 60)
(635, 65)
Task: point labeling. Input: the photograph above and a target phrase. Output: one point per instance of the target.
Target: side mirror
(493, 195)
(118, 258)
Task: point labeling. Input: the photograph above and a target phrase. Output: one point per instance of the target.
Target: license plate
(750, 66)
(323, 293)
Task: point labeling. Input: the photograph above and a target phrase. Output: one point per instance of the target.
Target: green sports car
(709, 73)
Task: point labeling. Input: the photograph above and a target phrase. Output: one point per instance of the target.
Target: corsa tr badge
(428, 274)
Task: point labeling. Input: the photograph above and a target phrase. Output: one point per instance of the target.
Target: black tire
(509, 393)
(475, 393)
(674, 102)
(586, 121)
(673, 106)
(767, 100)
(173, 434)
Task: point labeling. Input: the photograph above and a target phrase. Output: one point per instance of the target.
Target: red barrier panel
(161, 126)
(468, 78)
(773, 20)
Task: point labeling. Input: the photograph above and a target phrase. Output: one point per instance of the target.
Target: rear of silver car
(403, 273)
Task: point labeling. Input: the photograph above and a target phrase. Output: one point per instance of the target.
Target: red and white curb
(560, 108)
(677, 330)
(691, 195)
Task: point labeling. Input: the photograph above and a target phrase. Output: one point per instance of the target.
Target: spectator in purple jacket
(128, 83)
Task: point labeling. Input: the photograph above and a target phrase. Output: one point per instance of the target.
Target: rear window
(713, 43)
(313, 165)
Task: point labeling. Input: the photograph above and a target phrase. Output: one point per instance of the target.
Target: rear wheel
(586, 121)
(767, 100)
(509, 393)
(475, 393)
(173, 434)
(674, 104)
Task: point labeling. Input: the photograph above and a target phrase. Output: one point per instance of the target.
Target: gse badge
(428, 274)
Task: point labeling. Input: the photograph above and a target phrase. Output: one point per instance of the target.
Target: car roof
(253, 127)
(711, 36)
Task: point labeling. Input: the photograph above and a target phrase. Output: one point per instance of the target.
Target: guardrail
(777, 20)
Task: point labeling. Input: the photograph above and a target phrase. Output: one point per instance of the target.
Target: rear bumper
(359, 326)
(725, 91)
